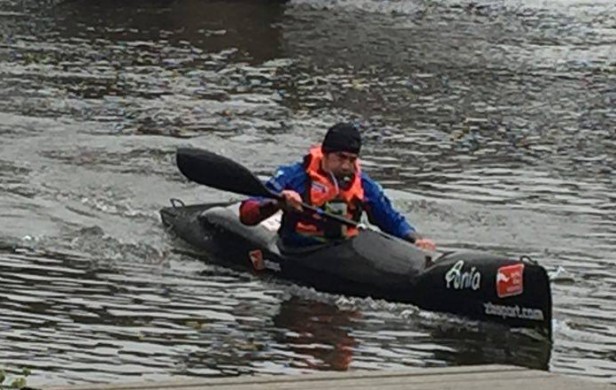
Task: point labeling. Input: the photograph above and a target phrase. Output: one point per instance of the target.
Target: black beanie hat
(342, 137)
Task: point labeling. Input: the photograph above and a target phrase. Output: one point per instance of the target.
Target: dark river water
(492, 124)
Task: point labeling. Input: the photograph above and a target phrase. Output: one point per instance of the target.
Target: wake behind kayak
(474, 284)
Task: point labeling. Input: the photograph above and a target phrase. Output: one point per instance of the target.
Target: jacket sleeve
(256, 209)
(381, 212)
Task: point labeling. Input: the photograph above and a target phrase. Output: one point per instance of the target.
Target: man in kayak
(329, 177)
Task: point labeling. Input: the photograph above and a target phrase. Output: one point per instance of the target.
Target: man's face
(340, 164)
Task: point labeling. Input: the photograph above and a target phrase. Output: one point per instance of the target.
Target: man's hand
(291, 200)
(422, 243)
(426, 244)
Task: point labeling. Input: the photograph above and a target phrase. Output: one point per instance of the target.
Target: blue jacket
(376, 204)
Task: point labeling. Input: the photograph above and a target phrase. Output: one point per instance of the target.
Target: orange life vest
(322, 191)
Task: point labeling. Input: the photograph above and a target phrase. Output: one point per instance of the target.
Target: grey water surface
(492, 124)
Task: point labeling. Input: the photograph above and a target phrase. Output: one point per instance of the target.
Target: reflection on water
(131, 62)
(490, 124)
(318, 333)
(250, 28)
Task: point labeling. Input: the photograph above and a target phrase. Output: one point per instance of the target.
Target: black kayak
(478, 285)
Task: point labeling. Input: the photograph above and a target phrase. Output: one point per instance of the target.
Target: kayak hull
(478, 285)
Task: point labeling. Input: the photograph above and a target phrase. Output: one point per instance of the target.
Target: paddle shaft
(213, 170)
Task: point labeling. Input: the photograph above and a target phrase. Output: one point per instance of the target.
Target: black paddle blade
(219, 172)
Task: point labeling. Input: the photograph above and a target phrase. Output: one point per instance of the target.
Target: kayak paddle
(213, 170)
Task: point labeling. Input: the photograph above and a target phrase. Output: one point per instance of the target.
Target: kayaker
(329, 177)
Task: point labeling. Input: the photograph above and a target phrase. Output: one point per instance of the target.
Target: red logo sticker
(256, 257)
(510, 280)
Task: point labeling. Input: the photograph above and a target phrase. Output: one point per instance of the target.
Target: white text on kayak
(458, 279)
